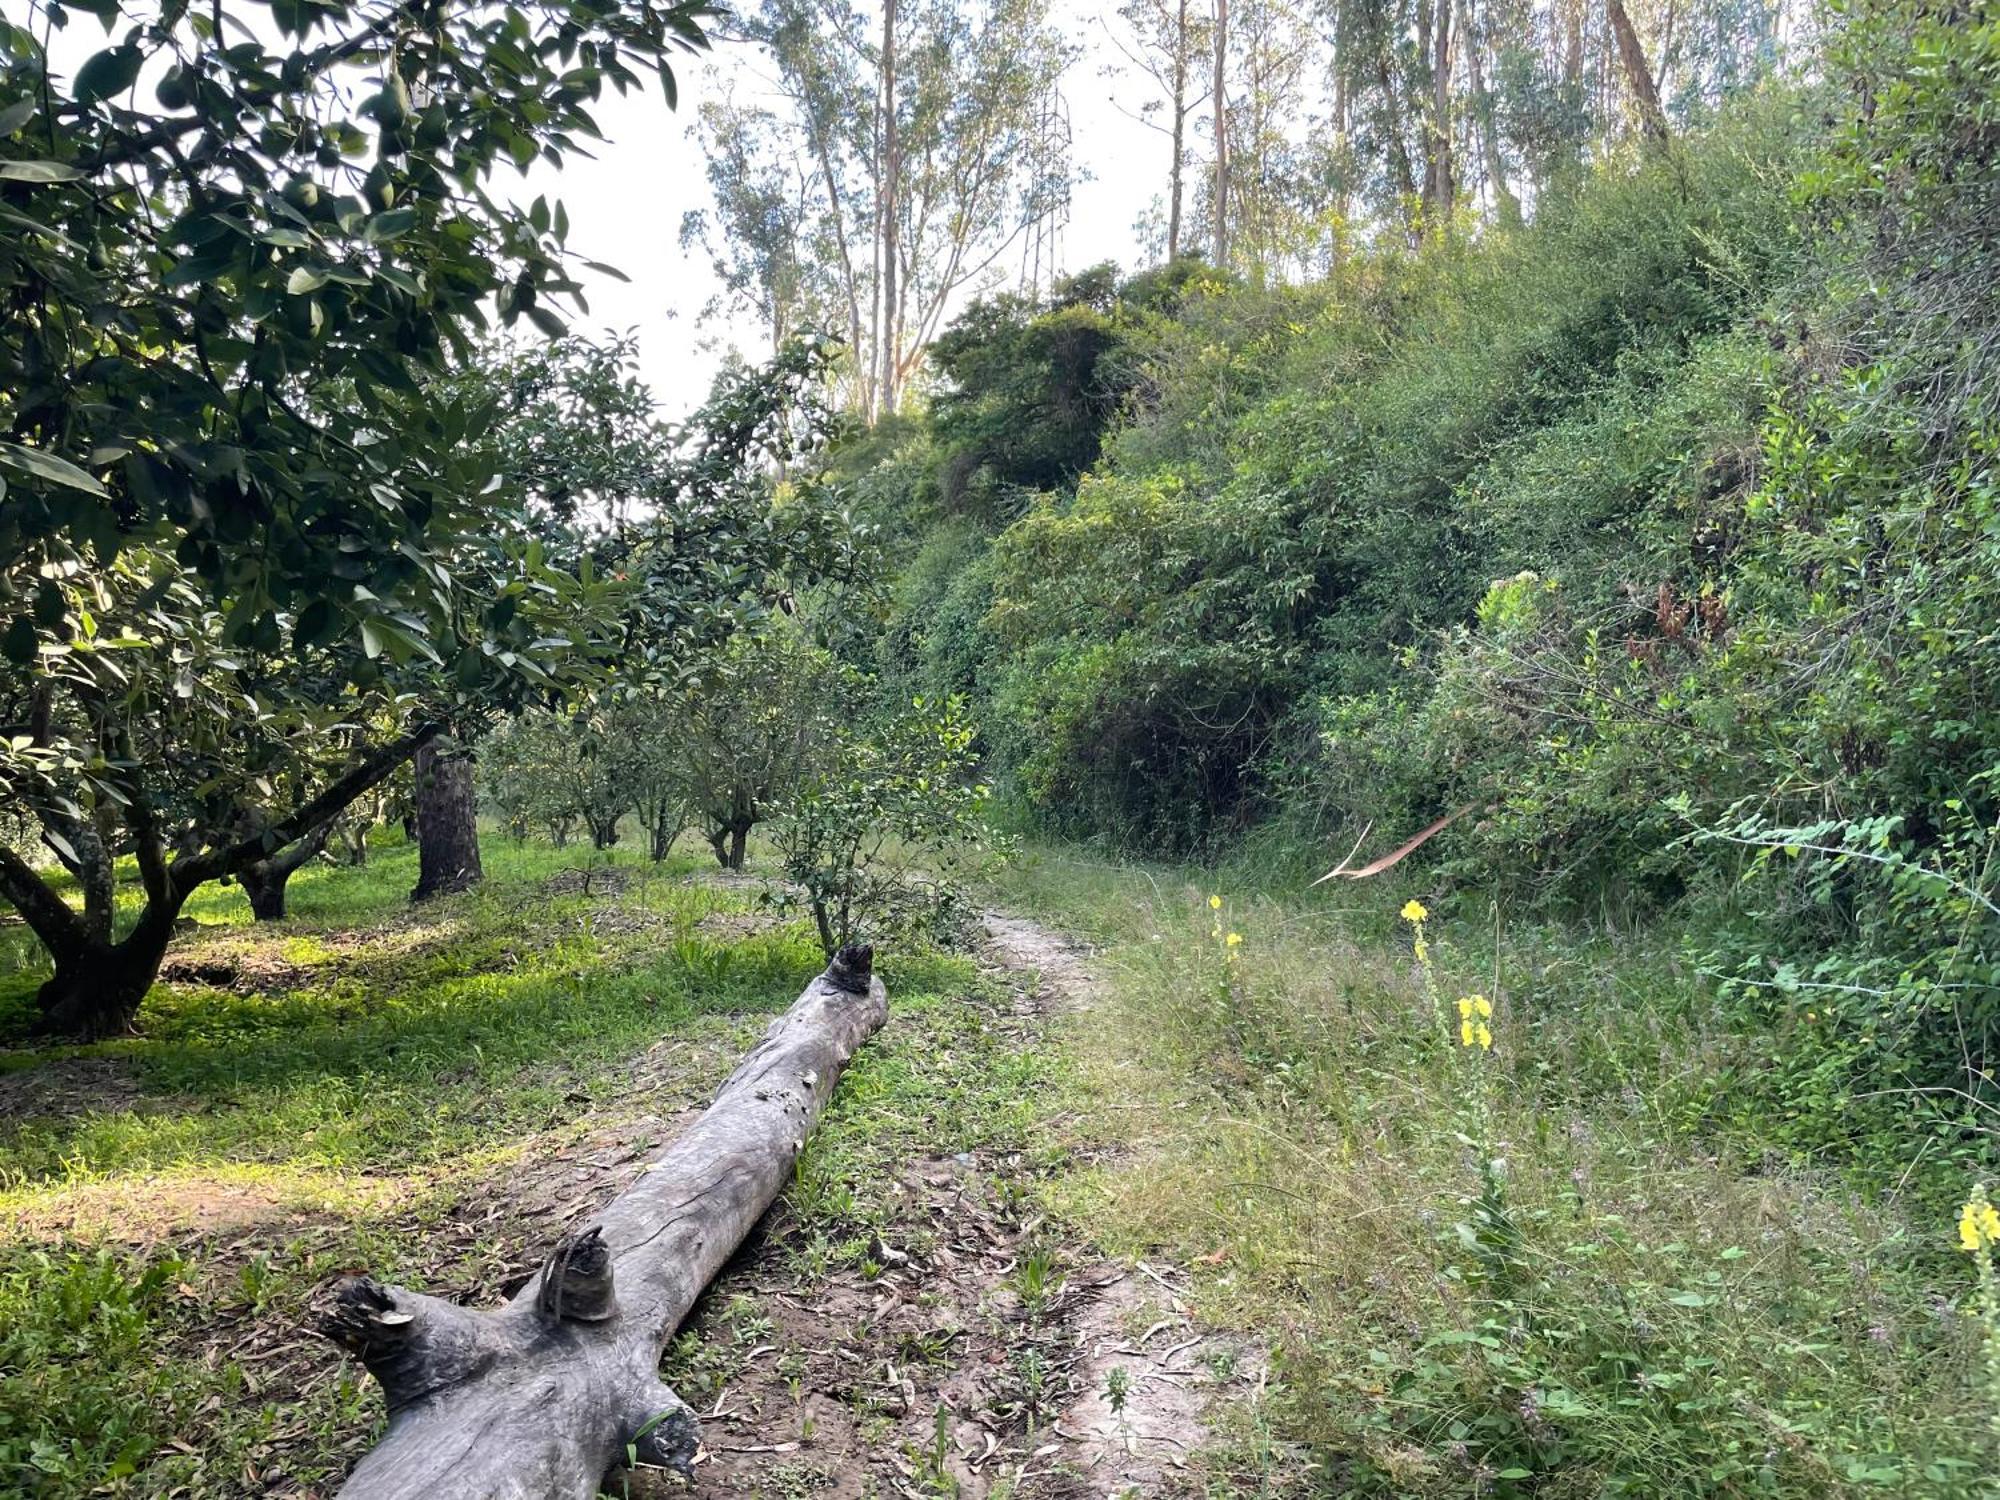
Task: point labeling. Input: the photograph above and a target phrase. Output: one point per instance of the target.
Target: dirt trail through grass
(433, 1094)
(977, 1349)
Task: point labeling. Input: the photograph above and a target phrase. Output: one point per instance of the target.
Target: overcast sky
(625, 206)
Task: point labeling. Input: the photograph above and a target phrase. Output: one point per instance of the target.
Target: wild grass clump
(1480, 1194)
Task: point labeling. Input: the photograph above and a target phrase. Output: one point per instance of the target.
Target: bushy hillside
(1656, 540)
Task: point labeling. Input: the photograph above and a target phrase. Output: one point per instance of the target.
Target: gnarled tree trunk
(98, 984)
(539, 1400)
(447, 823)
(264, 880)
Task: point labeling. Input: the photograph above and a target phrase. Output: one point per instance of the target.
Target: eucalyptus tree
(1165, 41)
(908, 159)
(242, 515)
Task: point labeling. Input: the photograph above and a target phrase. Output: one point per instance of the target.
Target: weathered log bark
(540, 1399)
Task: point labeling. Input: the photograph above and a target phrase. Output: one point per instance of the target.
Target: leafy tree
(561, 767)
(925, 163)
(748, 734)
(1031, 387)
(879, 808)
(234, 480)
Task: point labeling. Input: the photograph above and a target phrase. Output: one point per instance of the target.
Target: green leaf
(109, 72)
(15, 115)
(305, 279)
(47, 466)
(38, 171)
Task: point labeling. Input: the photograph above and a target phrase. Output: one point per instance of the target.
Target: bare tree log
(542, 1398)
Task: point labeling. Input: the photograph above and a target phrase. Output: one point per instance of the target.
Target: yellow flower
(1465, 1009)
(1475, 1005)
(1234, 938)
(1413, 910)
(1465, 1033)
(1978, 1222)
(1215, 903)
(1481, 1004)
(1485, 1036)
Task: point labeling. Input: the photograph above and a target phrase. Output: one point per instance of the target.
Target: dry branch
(540, 1399)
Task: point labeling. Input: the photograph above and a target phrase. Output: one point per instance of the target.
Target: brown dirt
(68, 1086)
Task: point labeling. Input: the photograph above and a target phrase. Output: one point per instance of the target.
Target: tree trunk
(604, 832)
(538, 1400)
(889, 209)
(264, 882)
(447, 824)
(1506, 207)
(1638, 74)
(97, 987)
(1180, 132)
(738, 837)
(1440, 172)
(661, 833)
(266, 889)
(1221, 96)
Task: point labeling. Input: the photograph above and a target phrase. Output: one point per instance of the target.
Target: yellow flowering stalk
(1979, 1236)
(1416, 914)
(1473, 1013)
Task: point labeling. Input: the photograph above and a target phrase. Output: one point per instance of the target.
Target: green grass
(354, 1073)
(1639, 1299)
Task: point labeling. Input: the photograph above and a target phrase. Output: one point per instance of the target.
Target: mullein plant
(1490, 1233)
(1416, 914)
(1979, 1236)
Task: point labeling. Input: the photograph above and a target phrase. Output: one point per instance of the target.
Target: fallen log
(542, 1398)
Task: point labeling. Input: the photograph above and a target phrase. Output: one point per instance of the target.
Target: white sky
(625, 206)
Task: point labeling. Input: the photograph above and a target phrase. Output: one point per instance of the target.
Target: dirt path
(989, 1355)
(958, 1343)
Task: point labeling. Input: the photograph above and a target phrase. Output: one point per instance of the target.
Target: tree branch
(367, 773)
(46, 913)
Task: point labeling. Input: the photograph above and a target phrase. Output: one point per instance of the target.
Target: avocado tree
(244, 513)
(880, 808)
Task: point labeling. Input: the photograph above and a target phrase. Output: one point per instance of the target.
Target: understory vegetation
(1626, 583)
(1544, 1247)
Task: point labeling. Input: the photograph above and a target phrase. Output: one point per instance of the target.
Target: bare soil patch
(68, 1086)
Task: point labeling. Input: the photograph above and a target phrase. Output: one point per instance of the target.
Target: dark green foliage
(1658, 538)
(1032, 388)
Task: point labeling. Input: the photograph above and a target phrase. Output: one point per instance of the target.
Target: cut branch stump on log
(544, 1397)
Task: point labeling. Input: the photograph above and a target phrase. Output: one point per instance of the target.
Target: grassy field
(1562, 1266)
(424, 1092)
(1567, 1265)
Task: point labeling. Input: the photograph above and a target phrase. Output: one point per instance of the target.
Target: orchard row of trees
(280, 514)
(903, 160)
(781, 735)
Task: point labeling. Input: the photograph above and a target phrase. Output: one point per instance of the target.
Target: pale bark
(1220, 94)
(890, 209)
(1180, 131)
(539, 1400)
(1638, 73)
